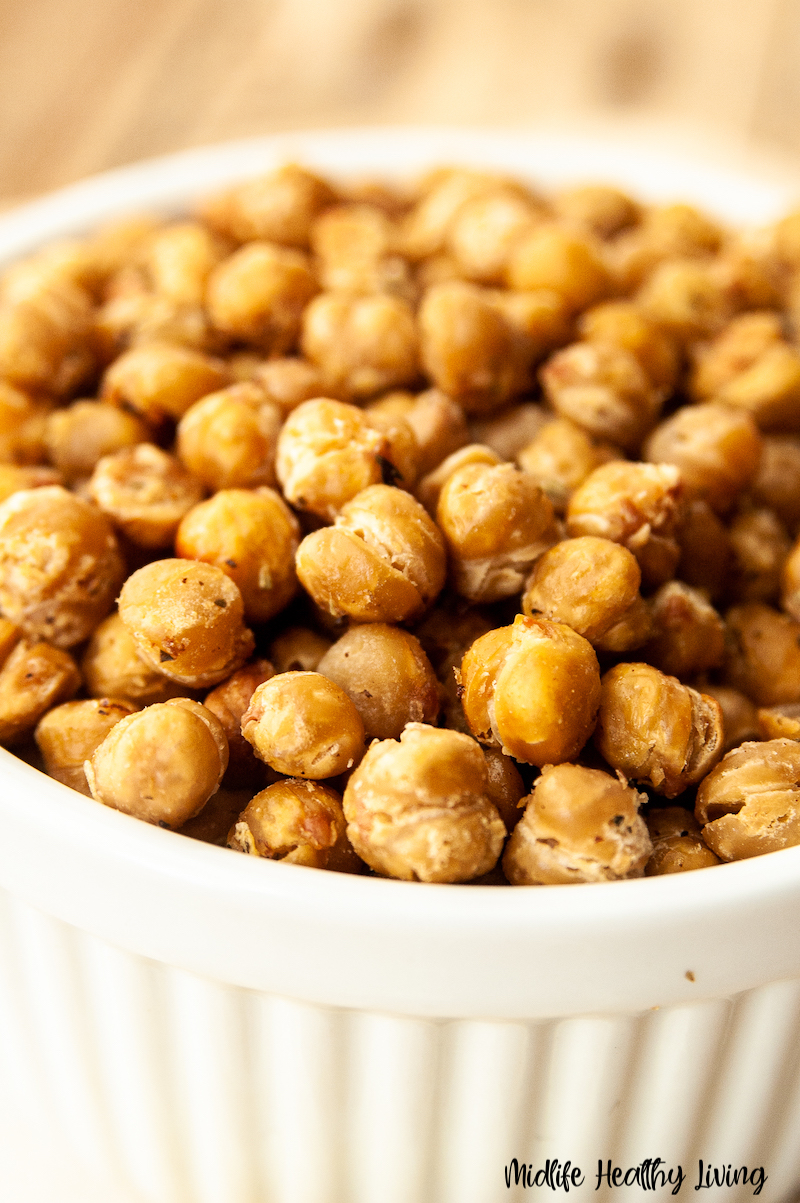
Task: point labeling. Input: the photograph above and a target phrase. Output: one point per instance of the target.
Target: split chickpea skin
(453, 531)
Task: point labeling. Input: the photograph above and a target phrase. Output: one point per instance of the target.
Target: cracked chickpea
(145, 492)
(762, 654)
(739, 715)
(34, 677)
(161, 764)
(161, 380)
(750, 803)
(688, 634)
(228, 439)
(429, 489)
(70, 734)
(300, 822)
(303, 725)
(419, 809)
(579, 825)
(678, 845)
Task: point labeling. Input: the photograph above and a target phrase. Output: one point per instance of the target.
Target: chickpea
(776, 484)
(763, 654)
(159, 380)
(228, 702)
(689, 634)
(716, 448)
(45, 338)
(289, 381)
(655, 730)
(179, 259)
(760, 547)
(280, 206)
(426, 228)
(736, 349)
(355, 245)
(135, 318)
(76, 438)
(16, 477)
(590, 584)
(303, 725)
(187, 619)
(790, 582)
(23, 423)
(251, 536)
(112, 667)
(579, 825)
(34, 677)
(624, 324)
(635, 505)
(362, 345)
(60, 567)
(560, 457)
(419, 809)
(493, 519)
(570, 263)
(402, 450)
(598, 209)
(665, 232)
(506, 787)
(70, 733)
(439, 428)
(386, 675)
(509, 430)
(258, 294)
(484, 231)
(678, 846)
(145, 492)
(531, 689)
(429, 489)
(779, 722)
(298, 648)
(446, 632)
(383, 560)
(229, 439)
(604, 389)
(161, 764)
(539, 321)
(750, 803)
(300, 822)
(10, 635)
(769, 390)
(686, 298)
(705, 549)
(739, 715)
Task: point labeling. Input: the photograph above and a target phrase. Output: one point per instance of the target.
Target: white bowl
(206, 1027)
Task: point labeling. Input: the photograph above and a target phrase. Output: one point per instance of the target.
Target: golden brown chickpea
(60, 567)
(228, 439)
(705, 548)
(716, 447)
(506, 787)
(420, 809)
(666, 232)
(23, 423)
(689, 634)
(429, 489)
(635, 505)
(112, 667)
(655, 730)
(439, 427)
(776, 484)
(161, 380)
(402, 449)
(442, 195)
(161, 764)
(228, 702)
(590, 584)
(790, 582)
(289, 381)
(70, 734)
(362, 345)
(298, 648)
(570, 263)
(739, 715)
(446, 633)
(303, 725)
(579, 825)
(386, 675)
(355, 246)
(624, 324)
(145, 492)
(686, 298)
(300, 822)
(531, 689)
(598, 209)
(383, 560)
(77, 437)
(179, 259)
(779, 722)
(252, 536)
(494, 520)
(134, 319)
(187, 619)
(510, 429)
(760, 547)
(604, 389)
(15, 477)
(736, 349)
(45, 338)
(33, 678)
(763, 654)
(750, 803)
(678, 846)
(257, 295)
(280, 206)
(560, 457)
(484, 231)
(10, 635)
(769, 390)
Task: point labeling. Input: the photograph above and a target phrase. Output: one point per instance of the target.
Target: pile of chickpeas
(448, 533)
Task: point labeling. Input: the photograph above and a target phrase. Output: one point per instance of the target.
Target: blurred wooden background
(90, 84)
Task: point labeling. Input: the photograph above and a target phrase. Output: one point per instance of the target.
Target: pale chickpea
(362, 345)
(161, 764)
(750, 803)
(686, 298)
(145, 492)
(776, 484)
(511, 428)
(759, 546)
(187, 619)
(386, 675)
(495, 521)
(112, 667)
(228, 440)
(280, 206)
(560, 457)
(763, 654)
(705, 546)
(446, 633)
(624, 324)
(161, 380)
(429, 489)
(419, 809)
(531, 689)
(736, 349)
(257, 295)
(23, 426)
(298, 648)
(303, 725)
(60, 566)
(77, 437)
(569, 262)
(688, 633)
(228, 702)
(579, 825)
(70, 734)
(656, 730)
(34, 677)
(716, 448)
(179, 259)
(300, 822)
(678, 846)
(383, 560)
(597, 208)
(251, 536)
(739, 715)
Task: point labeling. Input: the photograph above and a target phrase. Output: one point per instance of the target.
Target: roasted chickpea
(34, 677)
(494, 520)
(79, 436)
(579, 825)
(665, 232)
(298, 648)
(15, 477)
(419, 809)
(678, 846)
(161, 764)
(556, 257)
(288, 382)
(228, 439)
(23, 427)
(776, 484)
(228, 702)
(300, 822)
(355, 246)
(302, 724)
(187, 619)
(688, 633)
(439, 427)
(258, 295)
(509, 430)
(531, 689)
(112, 667)
(705, 557)
(790, 582)
(560, 457)
(779, 722)
(386, 675)
(383, 560)
(446, 633)
(763, 654)
(161, 380)
(179, 259)
(145, 492)
(759, 549)
(70, 734)
(280, 206)
(45, 337)
(598, 209)
(687, 298)
(485, 230)
(506, 787)
(252, 536)
(750, 803)
(739, 715)
(716, 448)
(624, 324)
(60, 567)
(429, 489)
(362, 345)
(655, 730)
(769, 390)
(735, 350)
(426, 227)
